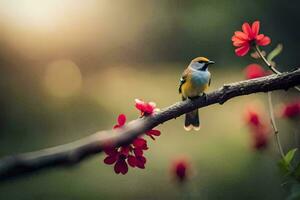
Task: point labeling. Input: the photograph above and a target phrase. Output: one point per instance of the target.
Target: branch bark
(75, 152)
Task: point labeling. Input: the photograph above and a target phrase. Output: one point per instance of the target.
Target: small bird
(194, 82)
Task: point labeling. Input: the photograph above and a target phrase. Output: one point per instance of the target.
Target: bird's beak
(210, 62)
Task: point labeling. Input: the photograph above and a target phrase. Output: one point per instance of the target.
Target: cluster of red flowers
(132, 154)
(259, 129)
(291, 110)
(248, 38)
(244, 40)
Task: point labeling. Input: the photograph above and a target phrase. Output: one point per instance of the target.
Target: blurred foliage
(122, 50)
(286, 162)
(275, 52)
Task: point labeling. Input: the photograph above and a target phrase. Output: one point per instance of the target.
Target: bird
(194, 81)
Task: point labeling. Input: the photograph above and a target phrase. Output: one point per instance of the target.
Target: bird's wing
(183, 79)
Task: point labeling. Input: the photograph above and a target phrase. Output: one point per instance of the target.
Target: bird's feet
(193, 98)
(204, 95)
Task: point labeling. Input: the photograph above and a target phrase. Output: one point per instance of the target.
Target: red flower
(131, 154)
(119, 159)
(146, 108)
(259, 129)
(291, 110)
(140, 143)
(260, 138)
(180, 169)
(255, 71)
(253, 118)
(248, 38)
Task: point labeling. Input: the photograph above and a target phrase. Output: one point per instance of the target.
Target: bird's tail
(192, 121)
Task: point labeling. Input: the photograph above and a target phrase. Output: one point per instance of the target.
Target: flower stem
(269, 64)
(273, 122)
(271, 110)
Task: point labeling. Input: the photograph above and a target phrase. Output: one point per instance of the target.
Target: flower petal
(125, 150)
(255, 28)
(154, 132)
(139, 142)
(259, 37)
(247, 30)
(131, 161)
(140, 162)
(239, 43)
(241, 35)
(264, 41)
(149, 108)
(110, 160)
(153, 104)
(121, 120)
(243, 50)
(121, 166)
(139, 104)
(116, 126)
(138, 152)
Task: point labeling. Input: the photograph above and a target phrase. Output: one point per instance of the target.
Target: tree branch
(72, 153)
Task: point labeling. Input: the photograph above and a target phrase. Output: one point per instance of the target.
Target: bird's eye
(200, 61)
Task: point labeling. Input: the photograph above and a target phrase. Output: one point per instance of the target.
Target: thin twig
(266, 61)
(73, 153)
(273, 122)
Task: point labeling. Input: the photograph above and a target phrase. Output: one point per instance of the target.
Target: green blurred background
(69, 67)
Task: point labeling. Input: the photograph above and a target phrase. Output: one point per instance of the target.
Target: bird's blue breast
(200, 78)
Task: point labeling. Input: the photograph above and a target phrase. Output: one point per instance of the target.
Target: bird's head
(201, 63)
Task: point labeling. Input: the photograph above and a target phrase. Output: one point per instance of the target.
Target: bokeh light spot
(63, 78)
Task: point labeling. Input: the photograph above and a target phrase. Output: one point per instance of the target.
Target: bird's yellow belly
(191, 90)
